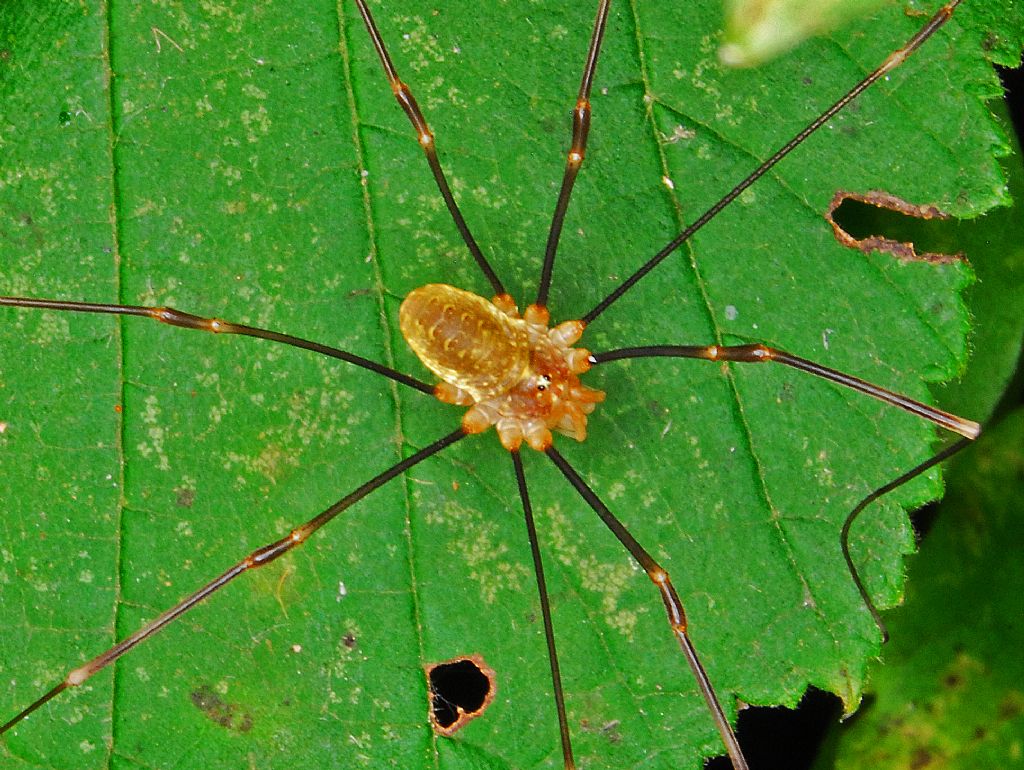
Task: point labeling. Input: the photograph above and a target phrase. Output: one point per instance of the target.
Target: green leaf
(995, 250)
(996, 301)
(248, 161)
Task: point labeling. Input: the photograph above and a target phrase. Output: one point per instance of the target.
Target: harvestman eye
(515, 373)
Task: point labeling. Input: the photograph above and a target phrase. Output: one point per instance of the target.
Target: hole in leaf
(878, 221)
(460, 690)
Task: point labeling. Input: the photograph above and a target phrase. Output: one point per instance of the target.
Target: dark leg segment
(577, 151)
(545, 609)
(426, 140)
(258, 558)
(759, 354)
(891, 62)
(844, 537)
(172, 317)
(673, 604)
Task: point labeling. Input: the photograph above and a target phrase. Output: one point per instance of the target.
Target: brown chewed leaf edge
(902, 250)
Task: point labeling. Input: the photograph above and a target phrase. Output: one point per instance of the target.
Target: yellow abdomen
(464, 339)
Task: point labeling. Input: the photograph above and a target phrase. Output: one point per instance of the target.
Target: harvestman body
(516, 374)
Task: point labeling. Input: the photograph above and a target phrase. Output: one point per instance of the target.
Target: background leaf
(248, 161)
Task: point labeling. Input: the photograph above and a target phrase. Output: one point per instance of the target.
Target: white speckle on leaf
(607, 580)
(825, 335)
(155, 432)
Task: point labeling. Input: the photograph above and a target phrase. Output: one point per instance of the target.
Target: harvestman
(511, 371)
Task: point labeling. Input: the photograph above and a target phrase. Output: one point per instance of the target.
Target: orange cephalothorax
(513, 372)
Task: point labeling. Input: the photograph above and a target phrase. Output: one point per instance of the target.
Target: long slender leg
(426, 139)
(172, 317)
(545, 609)
(891, 62)
(577, 150)
(759, 354)
(899, 481)
(673, 604)
(258, 558)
